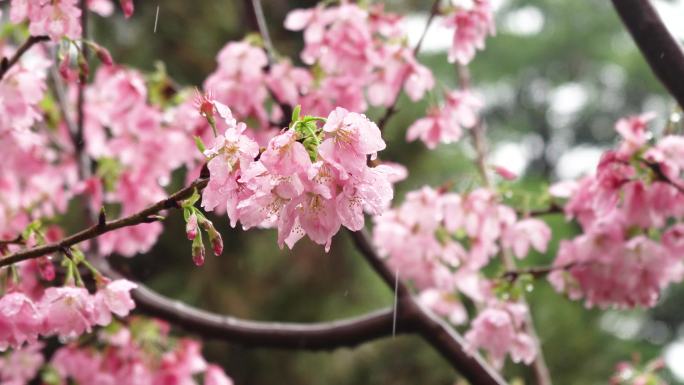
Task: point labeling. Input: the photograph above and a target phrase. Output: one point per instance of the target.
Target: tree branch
(662, 52)
(309, 336)
(435, 330)
(99, 229)
(6, 63)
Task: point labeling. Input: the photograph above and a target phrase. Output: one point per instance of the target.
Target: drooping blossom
(472, 21)
(500, 330)
(629, 212)
(305, 182)
(445, 124)
(20, 366)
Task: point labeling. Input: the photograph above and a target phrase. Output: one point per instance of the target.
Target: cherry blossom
(472, 21)
(499, 329)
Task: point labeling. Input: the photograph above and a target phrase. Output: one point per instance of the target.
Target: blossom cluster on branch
(441, 241)
(630, 212)
(289, 147)
(141, 352)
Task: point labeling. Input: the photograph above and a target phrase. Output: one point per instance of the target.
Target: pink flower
(214, 375)
(288, 82)
(127, 7)
(499, 329)
(56, 19)
(70, 310)
(115, 298)
(285, 156)
(633, 131)
(20, 320)
(21, 365)
(608, 271)
(351, 137)
(505, 173)
(444, 304)
(472, 24)
(445, 124)
(526, 233)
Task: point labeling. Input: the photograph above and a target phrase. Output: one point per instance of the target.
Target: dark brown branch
(309, 336)
(94, 231)
(392, 109)
(662, 52)
(18, 240)
(534, 272)
(6, 63)
(77, 136)
(436, 331)
(552, 209)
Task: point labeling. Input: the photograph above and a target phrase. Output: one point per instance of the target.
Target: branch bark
(91, 232)
(447, 341)
(662, 52)
(309, 336)
(6, 63)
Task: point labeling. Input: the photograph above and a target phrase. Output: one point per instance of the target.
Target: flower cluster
(59, 18)
(36, 178)
(142, 354)
(357, 49)
(631, 246)
(137, 150)
(65, 311)
(20, 366)
(440, 241)
(472, 21)
(308, 180)
(445, 124)
(500, 329)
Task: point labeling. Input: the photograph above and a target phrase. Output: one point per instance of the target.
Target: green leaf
(295, 114)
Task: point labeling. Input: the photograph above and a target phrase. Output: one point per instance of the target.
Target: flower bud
(46, 268)
(104, 55)
(214, 236)
(127, 6)
(65, 70)
(198, 253)
(191, 227)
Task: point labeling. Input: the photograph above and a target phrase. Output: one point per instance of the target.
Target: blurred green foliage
(581, 42)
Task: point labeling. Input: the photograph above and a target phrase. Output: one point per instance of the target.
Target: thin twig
(6, 63)
(392, 109)
(535, 271)
(263, 31)
(480, 143)
(96, 230)
(77, 136)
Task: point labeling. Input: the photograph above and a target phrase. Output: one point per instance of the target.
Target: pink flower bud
(65, 70)
(505, 173)
(128, 7)
(104, 55)
(191, 227)
(217, 244)
(198, 252)
(214, 236)
(46, 268)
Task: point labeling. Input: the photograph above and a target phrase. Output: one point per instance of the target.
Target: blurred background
(555, 78)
